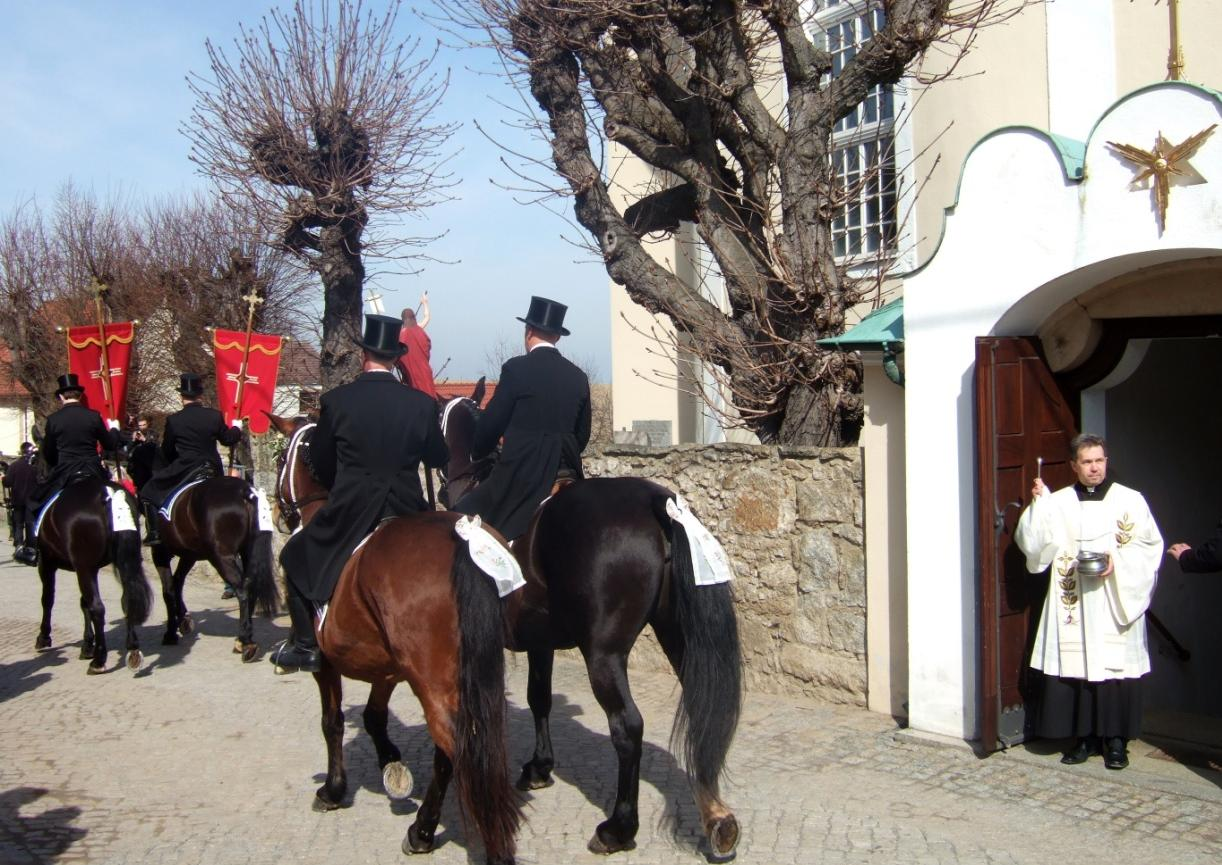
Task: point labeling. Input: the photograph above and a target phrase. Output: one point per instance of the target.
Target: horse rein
(290, 506)
(475, 467)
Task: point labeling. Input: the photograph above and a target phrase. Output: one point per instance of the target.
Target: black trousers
(17, 521)
(1076, 707)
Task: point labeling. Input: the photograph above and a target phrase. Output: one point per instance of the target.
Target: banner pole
(100, 288)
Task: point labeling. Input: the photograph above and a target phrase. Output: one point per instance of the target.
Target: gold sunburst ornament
(1160, 163)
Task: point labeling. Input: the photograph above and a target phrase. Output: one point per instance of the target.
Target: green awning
(878, 331)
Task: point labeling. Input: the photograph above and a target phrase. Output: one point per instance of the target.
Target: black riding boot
(151, 534)
(299, 651)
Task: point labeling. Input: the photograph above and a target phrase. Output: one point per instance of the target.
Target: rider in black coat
(542, 408)
(190, 444)
(371, 437)
(70, 446)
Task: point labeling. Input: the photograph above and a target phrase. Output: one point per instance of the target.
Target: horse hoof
(42, 644)
(238, 647)
(96, 669)
(169, 640)
(323, 803)
(532, 780)
(134, 660)
(415, 843)
(723, 836)
(605, 846)
(186, 624)
(250, 652)
(396, 780)
(86, 653)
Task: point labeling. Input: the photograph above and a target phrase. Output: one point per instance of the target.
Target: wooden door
(1021, 416)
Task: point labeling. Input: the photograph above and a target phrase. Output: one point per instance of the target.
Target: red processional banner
(246, 396)
(105, 381)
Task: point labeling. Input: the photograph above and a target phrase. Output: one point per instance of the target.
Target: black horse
(77, 533)
(214, 521)
(602, 559)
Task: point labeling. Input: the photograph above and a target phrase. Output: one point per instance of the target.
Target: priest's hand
(1111, 568)
(1177, 550)
(1038, 488)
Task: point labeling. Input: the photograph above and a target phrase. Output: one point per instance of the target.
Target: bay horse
(411, 606)
(214, 521)
(76, 534)
(601, 560)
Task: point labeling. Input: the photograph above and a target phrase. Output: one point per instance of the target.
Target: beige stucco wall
(1001, 82)
(1143, 40)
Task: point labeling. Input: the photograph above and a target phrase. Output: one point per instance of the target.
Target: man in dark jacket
(70, 446)
(189, 446)
(542, 408)
(371, 436)
(19, 482)
(1204, 558)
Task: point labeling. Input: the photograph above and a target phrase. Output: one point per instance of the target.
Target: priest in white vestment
(1091, 641)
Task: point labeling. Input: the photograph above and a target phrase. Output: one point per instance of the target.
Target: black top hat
(69, 382)
(382, 336)
(546, 315)
(191, 385)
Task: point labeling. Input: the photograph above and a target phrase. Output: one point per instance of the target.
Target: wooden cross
(375, 301)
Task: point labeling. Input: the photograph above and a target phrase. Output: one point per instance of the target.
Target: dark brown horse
(411, 606)
(214, 521)
(77, 534)
(602, 559)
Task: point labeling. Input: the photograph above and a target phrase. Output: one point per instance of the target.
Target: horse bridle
(476, 469)
(290, 506)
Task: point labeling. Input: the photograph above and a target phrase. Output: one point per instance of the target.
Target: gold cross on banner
(1160, 163)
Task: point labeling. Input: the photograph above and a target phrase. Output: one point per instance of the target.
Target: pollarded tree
(318, 122)
(733, 104)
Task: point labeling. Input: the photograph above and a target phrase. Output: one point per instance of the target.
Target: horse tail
(481, 770)
(258, 561)
(711, 670)
(129, 566)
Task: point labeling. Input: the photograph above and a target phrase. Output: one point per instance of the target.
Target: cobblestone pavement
(201, 759)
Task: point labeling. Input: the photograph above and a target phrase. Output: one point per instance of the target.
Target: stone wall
(791, 521)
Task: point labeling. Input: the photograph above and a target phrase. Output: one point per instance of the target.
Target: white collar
(543, 345)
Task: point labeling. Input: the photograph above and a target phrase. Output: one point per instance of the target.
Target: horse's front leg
(95, 619)
(537, 772)
(331, 692)
(185, 623)
(609, 680)
(46, 573)
(396, 779)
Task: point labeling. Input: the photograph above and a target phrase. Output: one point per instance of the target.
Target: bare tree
(733, 104)
(318, 122)
(28, 266)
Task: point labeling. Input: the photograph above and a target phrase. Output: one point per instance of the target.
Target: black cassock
(190, 443)
(371, 436)
(70, 446)
(542, 408)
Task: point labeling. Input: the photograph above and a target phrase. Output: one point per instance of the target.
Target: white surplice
(1092, 628)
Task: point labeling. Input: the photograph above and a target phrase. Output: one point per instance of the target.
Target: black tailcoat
(70, 445)
(542, 408)
(1203, 558)
(371, 436)
(191, 437)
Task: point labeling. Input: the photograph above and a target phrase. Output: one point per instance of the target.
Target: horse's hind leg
(422, 832)
(330, 795)
(720, 825)
(609, 679)
(46, 573)
(231, 571)
(161, 562)
(537, 772)
(396, 779)
(95, 618)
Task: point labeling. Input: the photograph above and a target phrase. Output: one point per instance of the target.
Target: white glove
(112, 424)
(236, 423)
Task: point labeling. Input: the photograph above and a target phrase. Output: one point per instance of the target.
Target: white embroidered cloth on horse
(491, 557)
(122, 519)
(709, 560)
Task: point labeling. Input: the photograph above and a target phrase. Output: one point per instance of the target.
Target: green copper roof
(882, 328)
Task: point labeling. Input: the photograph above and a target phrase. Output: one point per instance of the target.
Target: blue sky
(95, 93)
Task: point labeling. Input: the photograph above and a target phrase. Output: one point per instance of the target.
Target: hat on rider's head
(382, 336)
(191, 385)
(546, 315)
(69, 382)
